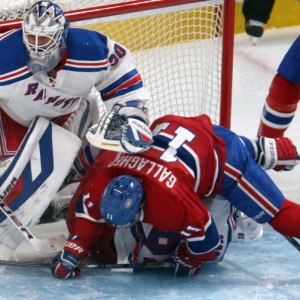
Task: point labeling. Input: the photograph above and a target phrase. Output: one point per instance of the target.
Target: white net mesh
(177, 49)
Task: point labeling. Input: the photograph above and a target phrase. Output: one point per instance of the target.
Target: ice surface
(264, 269)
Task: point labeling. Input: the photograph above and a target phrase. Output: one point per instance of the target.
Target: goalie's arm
(132, 109)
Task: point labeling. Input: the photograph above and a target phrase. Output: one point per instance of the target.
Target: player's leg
(257, 14)
(253, 192)
(279, 108)
(284, 94)
(12, 134)
(232, 225)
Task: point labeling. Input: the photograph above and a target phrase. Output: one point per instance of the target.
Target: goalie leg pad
(35, 175)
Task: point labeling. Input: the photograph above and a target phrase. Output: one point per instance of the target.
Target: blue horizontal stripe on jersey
(15, 79)
(122, 80)
(121, 92)
(81, 69)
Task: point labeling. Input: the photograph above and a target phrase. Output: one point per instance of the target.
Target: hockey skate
(58, 208)
(255, 29)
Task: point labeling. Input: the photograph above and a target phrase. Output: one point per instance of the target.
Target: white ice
(268, 268)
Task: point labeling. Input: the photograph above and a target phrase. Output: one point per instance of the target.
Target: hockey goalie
(59, 73)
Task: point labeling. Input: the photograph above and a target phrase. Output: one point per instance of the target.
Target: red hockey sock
(280, 104)
(267, 131)
(287, 220)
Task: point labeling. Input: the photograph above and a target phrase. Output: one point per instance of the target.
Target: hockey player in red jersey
(190, 160)
(284, 95)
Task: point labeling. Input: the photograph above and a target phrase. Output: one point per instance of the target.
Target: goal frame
(138, 5)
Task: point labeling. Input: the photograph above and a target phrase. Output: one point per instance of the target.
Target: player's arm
(122, 88)
(197, 248)
(86, 229)
(279, 154)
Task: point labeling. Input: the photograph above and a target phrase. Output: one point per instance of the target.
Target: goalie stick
(49, 246)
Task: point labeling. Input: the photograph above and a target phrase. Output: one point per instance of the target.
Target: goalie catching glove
(119, 133)
(276, 153)
(66, 263)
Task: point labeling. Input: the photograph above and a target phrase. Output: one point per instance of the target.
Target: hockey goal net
(183, 49)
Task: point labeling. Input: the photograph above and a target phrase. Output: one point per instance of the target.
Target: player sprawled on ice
(50, 71)
(159, 194)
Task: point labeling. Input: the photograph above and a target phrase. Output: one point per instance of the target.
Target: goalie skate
(58, 208)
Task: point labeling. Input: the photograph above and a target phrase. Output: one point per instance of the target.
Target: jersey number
(180, 136)
(119, 53)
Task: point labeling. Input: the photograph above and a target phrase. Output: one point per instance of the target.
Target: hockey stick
(293, 242)
(86, 265)
(46, 247)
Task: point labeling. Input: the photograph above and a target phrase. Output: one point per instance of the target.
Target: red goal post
(182, 48)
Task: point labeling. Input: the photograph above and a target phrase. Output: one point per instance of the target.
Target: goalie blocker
(119, 133)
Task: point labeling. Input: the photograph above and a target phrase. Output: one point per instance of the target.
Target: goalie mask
(122, 201)
(45, 30)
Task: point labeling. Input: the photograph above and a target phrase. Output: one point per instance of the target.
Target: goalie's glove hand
(185, 263)
(278, 154)
(65, 264)
(136, 135)
(119, 133)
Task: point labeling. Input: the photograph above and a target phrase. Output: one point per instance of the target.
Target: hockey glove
(186, 263)
(120, 133)
(276, 153)
(136, 136)
(66, 262)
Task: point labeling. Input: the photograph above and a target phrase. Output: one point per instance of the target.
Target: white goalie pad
(35, 175)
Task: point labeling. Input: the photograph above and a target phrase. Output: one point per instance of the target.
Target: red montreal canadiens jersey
(184, 165)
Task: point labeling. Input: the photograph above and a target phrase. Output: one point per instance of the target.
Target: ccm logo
(74, 247)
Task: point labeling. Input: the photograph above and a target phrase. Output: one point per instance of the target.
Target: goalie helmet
(122, 201)
(45, 30)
